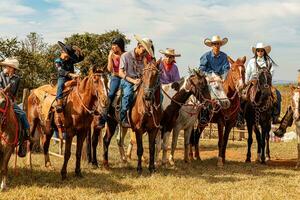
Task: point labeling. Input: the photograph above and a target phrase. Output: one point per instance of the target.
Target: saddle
(47, 95)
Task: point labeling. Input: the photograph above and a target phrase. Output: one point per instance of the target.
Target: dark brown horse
(227, 118)
(88, 97)
(8, 135)
(144, 116)
(258, 112)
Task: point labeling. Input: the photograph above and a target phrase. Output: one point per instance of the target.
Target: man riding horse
(131, 67)
(69, 56)
(10, 82)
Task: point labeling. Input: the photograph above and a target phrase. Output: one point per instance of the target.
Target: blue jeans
(22, 116)
(277, 110)
(114, 86)
(60, 87)
(127, 98)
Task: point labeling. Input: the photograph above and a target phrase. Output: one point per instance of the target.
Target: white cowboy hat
(170, 52)
(261, 45)
(146, 43)
(11, 62)
(208, 42)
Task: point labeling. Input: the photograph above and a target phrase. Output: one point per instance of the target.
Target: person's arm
(122, 72)
(176, 76)
(14, 86)
(110, 63)
(248, 71)
(225, 66)
(204, 64)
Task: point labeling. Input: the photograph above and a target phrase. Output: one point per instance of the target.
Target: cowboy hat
(261, 45)
(73, 52)
(11, 62)
(146, 43)
(208, 42)
(169, 52)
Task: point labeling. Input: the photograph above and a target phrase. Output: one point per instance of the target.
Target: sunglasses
(216, 43)
(260, 50)
(170, 56)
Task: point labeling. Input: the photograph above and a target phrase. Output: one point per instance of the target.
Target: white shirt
(251, 70)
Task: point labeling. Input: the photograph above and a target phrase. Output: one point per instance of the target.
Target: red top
(116, 63)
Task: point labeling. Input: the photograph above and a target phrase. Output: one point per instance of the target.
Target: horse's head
(4, 103)
(236, 74)
(196, 84)
(216, 89)
(99, 81)
(150, 79)
(264, 84)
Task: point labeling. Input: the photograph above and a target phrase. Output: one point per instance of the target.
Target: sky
(179, 24)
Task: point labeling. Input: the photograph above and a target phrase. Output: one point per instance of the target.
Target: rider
(168, 67)
(131, 67)
(117, 49)
(11, 83)
(214, 61)
(260, 60)
(65, 66)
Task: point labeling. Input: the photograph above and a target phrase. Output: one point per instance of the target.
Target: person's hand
(111, 53)
(73, 76)
(136, 81)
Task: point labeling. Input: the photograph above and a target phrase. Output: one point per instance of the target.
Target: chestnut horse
(144, 116)
(82, 102)
(258, 112)
(227, 117)
(8, 135)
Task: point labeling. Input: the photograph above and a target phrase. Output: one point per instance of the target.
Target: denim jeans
(277, 108)
(127, 98)
(22, 116)
(60, 87)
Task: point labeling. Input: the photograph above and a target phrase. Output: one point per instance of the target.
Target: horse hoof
(263, 162)
(106, 165)
(187, 161)
(78, 175)
(152, 170)
(63, 177)
(139, 171)
(95, 166)
(268, 158)
(248, 160)
(220, 162)
(172, 162)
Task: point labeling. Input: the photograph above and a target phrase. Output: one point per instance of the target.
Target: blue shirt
(218, 64)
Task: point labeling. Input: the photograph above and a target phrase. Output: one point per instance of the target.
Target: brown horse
(144, 116)
(8, 135)
(82, 102)
(233, 85)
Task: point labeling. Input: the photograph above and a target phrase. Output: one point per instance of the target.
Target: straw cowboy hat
(261, 45)
(11, 62)
(146, 43)
(208, 42)
(169, 52)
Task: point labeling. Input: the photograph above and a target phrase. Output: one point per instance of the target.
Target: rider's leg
(126, 102)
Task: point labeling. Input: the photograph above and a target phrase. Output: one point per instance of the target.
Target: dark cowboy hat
(68, 50)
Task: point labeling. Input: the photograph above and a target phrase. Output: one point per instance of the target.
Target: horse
(292, 115)
(258, 111)
(144, 115)
(226, 117)
(87, 98)
(9, 130)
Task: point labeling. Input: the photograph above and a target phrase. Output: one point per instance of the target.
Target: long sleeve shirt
(14, 82)
(251, 70)
(67, 66)
(170, 76)
(218, 64)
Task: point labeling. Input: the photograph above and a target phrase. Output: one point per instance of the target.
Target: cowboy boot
(60, 115)
(125, 123)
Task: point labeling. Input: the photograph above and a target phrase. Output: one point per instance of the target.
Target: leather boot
(60, 119)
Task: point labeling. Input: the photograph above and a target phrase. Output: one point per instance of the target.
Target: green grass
(197, 180)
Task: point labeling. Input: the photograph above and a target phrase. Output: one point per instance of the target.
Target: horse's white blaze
(170, 91)
(296, 97)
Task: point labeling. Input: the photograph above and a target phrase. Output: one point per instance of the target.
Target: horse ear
(292, 88)
(158, 63)
(243, 59)
(230, 60)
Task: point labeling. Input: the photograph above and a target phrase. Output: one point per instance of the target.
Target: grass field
(198, 180)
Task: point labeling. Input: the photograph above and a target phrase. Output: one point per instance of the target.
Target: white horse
(188, 115)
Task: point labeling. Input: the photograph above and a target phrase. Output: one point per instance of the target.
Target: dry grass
(198, 180)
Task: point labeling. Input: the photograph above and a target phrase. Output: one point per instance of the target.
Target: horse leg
(176, 131)
(249, 140)
(68, 146)
(228, 128)
(80, 139)
(89, 145)
(110, 130)
(4, 166)
(197, 143)
(140, 150)
(220, 142)
(152, 137)
(33, 126)
(95, 140)
(120, 140)
(263, 144)
(158, 145)
(268, 147)
(187, 135)
(165, 146)
(259, 143)
(46, 150)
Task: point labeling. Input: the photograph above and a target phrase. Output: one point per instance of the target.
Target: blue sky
(179, 24)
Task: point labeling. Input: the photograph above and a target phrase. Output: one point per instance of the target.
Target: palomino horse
(227, 117)
(171, 112)
(8, 135)
(292, 114)
(144, 116)
(88, 97)
(258, 111)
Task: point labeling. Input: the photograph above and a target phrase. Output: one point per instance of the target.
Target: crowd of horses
(180, 109)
